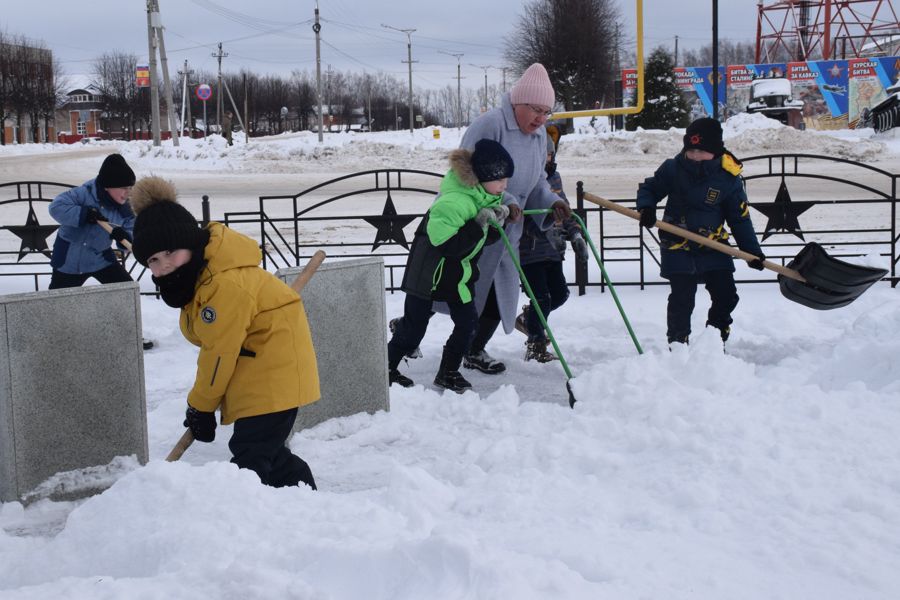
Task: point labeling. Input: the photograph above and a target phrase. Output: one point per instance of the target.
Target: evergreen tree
(664, 106)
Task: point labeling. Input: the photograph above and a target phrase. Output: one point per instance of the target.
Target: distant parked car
(90, 139)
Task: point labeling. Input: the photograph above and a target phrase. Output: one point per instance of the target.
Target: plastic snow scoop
(187, 438)
(612, 289)
(537, 309)
(812, 278)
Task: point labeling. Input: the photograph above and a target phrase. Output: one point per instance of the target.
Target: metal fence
(375, 213)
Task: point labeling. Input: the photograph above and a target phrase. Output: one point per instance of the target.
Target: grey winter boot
(392, 325)
(537, 350)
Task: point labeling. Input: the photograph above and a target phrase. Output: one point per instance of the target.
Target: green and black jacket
(442, 262)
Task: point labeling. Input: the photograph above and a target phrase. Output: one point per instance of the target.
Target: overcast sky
(275, 36)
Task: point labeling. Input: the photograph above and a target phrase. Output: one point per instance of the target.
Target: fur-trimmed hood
(461, 164)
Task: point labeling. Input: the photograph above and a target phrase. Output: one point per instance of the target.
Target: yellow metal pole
(639, 97)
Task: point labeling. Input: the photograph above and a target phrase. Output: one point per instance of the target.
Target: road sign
(204, 92)
(142, 75)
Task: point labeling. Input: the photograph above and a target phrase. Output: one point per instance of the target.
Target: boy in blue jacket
(82, 248)
(705, 191)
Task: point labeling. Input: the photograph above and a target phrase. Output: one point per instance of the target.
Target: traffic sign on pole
(204, 92)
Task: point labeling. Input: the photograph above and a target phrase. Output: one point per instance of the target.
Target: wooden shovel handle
(109, 229)
(695, 237)
(187, 438)
(308, 271)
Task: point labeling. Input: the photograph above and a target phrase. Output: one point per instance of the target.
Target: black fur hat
(161, 222)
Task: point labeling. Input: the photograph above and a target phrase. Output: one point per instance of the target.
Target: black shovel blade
(830, 283)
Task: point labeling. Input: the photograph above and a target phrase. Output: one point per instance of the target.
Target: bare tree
(576, 40)
(113, 80)
(730, 53)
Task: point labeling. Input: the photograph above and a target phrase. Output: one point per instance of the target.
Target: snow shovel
(537, 309)
(187, 438)
(813, 278)
(612, 289)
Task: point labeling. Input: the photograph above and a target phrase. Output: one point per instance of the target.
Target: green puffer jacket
(442, 262)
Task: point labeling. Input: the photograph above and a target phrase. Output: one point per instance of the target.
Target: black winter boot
(477, 358)
(451, 380)
(395, 376)
(448, 375)
(723, 331)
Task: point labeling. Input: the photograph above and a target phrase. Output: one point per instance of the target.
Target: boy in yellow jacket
(256, 364)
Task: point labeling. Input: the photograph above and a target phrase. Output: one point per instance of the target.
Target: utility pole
(485, 68)
(185, 99)
(503, 70)
(676, 50)
(219, 55)
(317, 28)
(152, 19)
(715, 59)
(409, 61)
(458, 55)
(154, 39)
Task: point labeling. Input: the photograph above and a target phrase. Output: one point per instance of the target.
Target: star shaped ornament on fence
(783, 213)
(33, 235)
(389, 225)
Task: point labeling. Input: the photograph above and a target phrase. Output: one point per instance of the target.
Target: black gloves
(92, 215)
(648, 217)
(119, 234)
(201, 424)
(580, 247)
(757, 263)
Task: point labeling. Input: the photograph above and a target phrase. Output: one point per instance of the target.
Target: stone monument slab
(345, 307)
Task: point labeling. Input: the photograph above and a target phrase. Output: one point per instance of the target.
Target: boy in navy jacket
(705, 191)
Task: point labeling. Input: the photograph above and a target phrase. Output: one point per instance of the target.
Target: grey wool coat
(527, 187)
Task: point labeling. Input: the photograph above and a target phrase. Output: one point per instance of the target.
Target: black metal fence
(375, 213)
(835, 218)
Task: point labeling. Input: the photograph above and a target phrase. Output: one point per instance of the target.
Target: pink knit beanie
(533, 87)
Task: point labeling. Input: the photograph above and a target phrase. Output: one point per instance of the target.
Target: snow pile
(770, 470)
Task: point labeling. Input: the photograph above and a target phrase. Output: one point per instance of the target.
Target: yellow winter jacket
(256, 351)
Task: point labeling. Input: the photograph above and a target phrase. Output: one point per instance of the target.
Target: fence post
(581, 272)
(205, 209)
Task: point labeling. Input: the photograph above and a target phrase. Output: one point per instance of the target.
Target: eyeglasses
(539, 111)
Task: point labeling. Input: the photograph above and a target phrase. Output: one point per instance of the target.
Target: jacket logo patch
(712, 195)
(208, 314)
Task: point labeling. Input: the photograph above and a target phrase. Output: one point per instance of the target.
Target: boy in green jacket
(442, 264)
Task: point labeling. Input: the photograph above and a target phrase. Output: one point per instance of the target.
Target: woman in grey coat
(518, 124)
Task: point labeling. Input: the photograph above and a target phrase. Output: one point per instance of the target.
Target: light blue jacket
(83, 247)
(528, 187)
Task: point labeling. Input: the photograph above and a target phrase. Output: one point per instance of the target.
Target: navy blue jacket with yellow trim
(702, 197)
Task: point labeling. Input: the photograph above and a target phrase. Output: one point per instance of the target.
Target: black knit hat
(491, 161)
(705, 134)
(161, 223)
(115, 173)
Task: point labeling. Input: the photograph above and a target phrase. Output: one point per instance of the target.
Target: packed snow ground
(768, 471)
